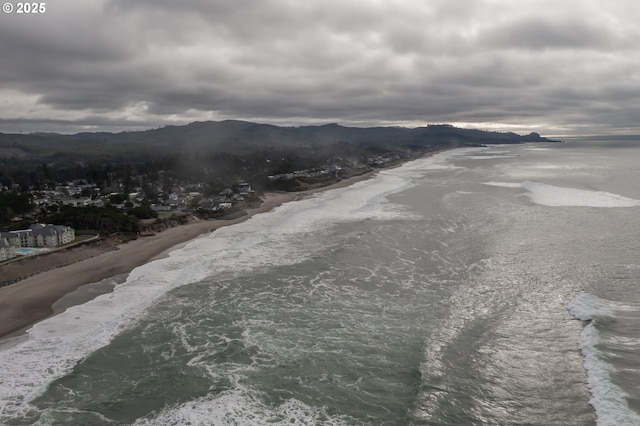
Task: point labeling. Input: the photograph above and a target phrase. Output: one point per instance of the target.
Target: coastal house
(244, 189)
(51, 235)
(7, 250)
(39, 235)
(11, 238)
(213, 205)
(282, 176)
(209, 205)
(162, 207)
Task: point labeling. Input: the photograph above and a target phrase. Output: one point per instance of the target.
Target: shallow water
(451, 290)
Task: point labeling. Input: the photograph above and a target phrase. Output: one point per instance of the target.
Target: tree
(143, 212)
(13, 203)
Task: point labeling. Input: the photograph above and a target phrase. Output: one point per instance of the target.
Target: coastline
(33, 299)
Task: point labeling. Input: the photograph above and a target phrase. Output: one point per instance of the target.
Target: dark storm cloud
(540, 65)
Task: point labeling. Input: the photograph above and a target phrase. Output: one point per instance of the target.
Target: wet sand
(28, 301)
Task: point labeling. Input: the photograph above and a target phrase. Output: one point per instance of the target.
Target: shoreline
(40, 296)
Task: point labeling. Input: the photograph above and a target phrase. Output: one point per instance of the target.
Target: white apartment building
(38, 235)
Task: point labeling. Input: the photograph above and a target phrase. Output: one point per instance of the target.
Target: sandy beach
(28, 301)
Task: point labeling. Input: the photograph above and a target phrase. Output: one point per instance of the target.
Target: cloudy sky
(557, 67)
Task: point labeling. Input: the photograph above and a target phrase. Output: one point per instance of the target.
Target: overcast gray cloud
(548, 66)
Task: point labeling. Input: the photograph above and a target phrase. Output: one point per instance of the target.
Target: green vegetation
(143, 212)
(119, 177)
(106, 220)
(14, 203)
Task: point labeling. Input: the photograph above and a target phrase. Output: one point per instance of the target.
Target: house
(51, 235)
(244, 189)
(283, 176)
(11, 238)
(214, 205)
(39, 235)
(162, 207)
(7, 251)
(209, 205)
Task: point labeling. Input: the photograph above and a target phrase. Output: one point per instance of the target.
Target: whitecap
(504, 184)
(239, 407)
(585, 306)
(554, 196)
(276, 238)
(608, 400)
(489, 157)
(558, 196)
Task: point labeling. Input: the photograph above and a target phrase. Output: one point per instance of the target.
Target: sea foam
(550, 195)
(240, 407)
(57, 344)
(490, 156)
(558, 196)
(607, 399)
(504, 184)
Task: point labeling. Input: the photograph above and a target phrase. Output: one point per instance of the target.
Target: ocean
(495, 285)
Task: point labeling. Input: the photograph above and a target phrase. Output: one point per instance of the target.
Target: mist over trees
(215, 155)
